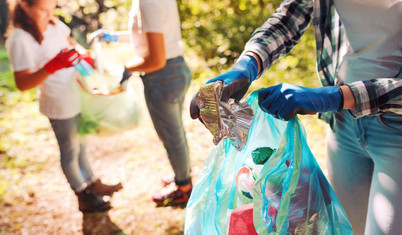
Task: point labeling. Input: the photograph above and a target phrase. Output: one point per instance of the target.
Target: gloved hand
(125, 76)
(284, 101)
(236, 82)
(66, 58)
(103, 35)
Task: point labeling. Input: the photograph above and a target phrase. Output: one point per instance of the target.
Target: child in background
(41, 54)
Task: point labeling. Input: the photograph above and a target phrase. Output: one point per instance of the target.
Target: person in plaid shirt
(359, 61)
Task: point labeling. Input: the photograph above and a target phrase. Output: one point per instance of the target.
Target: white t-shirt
(58, 94)
(156, 16)
(374, 32)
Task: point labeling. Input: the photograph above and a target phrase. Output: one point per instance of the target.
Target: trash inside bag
(275, 177)
(107, 108)
(108, 115)
(230, 120)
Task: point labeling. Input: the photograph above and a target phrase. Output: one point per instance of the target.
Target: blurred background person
(156, 37)
(42, 54)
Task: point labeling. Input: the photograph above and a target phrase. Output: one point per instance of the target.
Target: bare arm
(124, 36)
(349, 101)
(154, 60)
(26, 80)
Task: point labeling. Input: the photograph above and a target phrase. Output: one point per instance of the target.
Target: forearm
(155, 57)
(26, 80)
(124, 36)
(281, 32)
(144, 65)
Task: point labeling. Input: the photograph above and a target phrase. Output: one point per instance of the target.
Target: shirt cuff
(364, 103)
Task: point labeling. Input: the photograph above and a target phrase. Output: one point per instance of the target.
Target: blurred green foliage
(218, 30)
(214, 32)
(6, 81)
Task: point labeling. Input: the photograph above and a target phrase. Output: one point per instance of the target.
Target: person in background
(41, 54)
(155, 34)
(359, 61)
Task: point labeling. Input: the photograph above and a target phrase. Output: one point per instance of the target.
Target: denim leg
(164, 95)
(72, 153)
(363, 158)
(85, 166)
(384, 144)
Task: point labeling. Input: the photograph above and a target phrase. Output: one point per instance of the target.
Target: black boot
(100, 188)
(91, 202)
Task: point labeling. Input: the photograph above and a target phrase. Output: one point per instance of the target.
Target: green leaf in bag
(261, 155)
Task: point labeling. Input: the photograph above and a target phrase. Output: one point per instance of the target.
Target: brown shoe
(172, 196)
(104, 189)
(91, 202)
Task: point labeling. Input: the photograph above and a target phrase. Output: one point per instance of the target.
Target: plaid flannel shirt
(282, 31)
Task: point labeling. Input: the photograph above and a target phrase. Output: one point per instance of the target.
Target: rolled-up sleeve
(377, 96)
(281, 32)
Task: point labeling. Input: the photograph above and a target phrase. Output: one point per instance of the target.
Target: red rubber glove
(66, 58)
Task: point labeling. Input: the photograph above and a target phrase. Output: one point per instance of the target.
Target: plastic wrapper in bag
(229, 120)
(275, 176)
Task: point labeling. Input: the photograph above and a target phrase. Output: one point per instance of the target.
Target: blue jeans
(74, 162)
(365, 171)
(164, 92)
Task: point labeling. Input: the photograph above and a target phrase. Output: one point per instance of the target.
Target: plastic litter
(286, 194)
(230, 120)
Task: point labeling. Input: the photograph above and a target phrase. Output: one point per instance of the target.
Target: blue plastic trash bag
(287, 190)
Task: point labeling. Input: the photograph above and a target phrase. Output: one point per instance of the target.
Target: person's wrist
(248, 64)
(342, 98)
(50, 68)
(110, 36)
(349, 101)
(326, 99)
(258, 59)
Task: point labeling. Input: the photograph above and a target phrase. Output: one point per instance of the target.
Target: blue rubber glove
(236, 82)
(284, 101)
(103, 35)
(239, 78)
(124, 77)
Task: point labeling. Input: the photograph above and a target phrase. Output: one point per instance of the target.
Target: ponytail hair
(21, 20)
